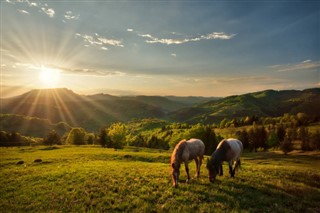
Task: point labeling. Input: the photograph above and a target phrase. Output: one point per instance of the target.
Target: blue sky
(185, 48)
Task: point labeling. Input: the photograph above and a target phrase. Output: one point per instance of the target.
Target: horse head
(213, 169)
(175, 172)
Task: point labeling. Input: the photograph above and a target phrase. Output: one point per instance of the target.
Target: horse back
(232, 149)
(195, 148)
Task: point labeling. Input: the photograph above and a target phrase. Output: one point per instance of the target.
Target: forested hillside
(269, 103)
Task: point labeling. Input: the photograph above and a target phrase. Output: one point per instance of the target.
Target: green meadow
(95, 179)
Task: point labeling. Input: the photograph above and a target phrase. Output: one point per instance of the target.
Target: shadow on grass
(240, 195)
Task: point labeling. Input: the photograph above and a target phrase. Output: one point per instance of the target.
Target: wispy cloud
(10, 2)
(23, 11)
(99, 41)
(87, 72)
(168, 41)
(246, 79)
(301, 66)
(43, 7)
(173, 55)
(70, 71)
(49, 11)
(69, 15)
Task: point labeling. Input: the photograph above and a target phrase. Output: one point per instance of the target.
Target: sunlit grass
(93, 179)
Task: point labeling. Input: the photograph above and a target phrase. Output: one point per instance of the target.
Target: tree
(315, 140)
(304, 136)
(302, 119)
(286, 145)
(273, 140)
(223, 123)
(117, 133)
(4, 141)
(244, 138)
(52, 138)
(90, 138)
(281, 132)
(76, 136)
(137, 140)
(15, 139)
(209, 140)
(103, 137)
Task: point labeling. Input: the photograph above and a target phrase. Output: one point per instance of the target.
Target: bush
(76, 136)
(52, 138)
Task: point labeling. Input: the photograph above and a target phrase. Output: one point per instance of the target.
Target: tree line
(285, 133)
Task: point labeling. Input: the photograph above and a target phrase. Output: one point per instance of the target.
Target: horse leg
(187, 170)
(230, 169)
(200, 163)
(197, 166)
(220, 170)
(237, 165)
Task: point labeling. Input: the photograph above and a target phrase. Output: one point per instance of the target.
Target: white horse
(228, 150)
(183, 152)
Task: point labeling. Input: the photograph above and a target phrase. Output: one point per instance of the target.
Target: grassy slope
(78, 179)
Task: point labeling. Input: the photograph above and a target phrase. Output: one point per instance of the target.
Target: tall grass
(93, 179)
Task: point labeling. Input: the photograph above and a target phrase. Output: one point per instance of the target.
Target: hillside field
(94, 179)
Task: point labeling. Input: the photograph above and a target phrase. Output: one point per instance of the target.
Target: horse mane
(178, 150)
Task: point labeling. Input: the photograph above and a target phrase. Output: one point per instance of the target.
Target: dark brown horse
(228, 150)
(183, 152)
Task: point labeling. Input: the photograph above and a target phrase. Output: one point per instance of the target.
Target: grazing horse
(228, 150)
(183, 152)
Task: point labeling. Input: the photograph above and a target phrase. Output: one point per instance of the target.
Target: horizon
(174, 48)
(136, 95)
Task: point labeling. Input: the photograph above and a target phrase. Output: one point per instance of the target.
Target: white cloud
(306, 61)
(23, 11)
(87, 72)
(130, 30)
(99, 41)
(168, 41)
(10, 2)
(43, 7)
(173, 55)
(49, 11)
(33, 4)
(70, 16)
(304, 65)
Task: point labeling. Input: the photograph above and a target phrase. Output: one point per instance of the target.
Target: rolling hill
(269, 103)
(94, 111)
(91, 112)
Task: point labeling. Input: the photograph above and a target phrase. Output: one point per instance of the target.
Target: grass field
(93, 179)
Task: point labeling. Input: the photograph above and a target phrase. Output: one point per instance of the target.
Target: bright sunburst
(49, 77)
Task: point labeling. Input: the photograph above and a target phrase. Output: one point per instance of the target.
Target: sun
(49, 77)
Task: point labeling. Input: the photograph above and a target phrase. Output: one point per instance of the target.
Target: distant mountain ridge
(268, 103)
(91, 111)
(94, 111)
